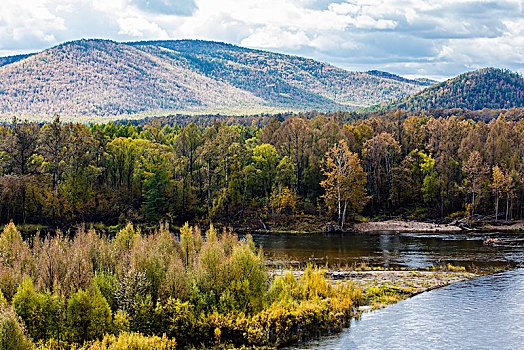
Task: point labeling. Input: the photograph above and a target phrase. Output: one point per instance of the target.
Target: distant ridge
(420, 81)
(12, 59)
(491, 88)
(100, 79)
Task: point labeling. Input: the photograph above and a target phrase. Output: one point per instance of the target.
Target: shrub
(248, 278)
(123, 241)
(12, 333)
(176, 284)
(133, 341)
(12, 247)
(88, 316)
(144, 319)
(121, 322)
(10, 279)
(106, 283)
(177, 320)
(41, 312)
(15, 260)
(131, 286)
(230, 276)
(53, 261)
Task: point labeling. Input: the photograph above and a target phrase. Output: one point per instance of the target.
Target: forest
(489, 88)
(273, 172)
(115, 265)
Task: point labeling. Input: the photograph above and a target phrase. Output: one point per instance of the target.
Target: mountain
(419, 81)
(486, 88)
(12, 59)
(93, 79)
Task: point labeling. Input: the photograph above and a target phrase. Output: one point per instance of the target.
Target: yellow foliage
(133, 341)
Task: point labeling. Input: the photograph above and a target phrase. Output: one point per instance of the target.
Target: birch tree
(345, 184)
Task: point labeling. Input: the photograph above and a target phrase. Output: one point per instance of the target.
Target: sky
(414, 38)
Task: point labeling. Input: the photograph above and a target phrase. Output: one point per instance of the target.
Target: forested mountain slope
(91, 79)
(12, 59)
(486, 88)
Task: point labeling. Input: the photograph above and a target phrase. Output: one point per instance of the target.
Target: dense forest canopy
(273, 170)
(485, 88)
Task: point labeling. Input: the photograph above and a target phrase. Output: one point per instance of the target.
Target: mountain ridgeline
(486, 88)
(92, 79)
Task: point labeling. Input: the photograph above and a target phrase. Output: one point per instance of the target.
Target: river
(483, 313)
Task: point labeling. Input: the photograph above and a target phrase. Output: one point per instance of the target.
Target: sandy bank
(404, 227)
(409, 282)
(517, 226)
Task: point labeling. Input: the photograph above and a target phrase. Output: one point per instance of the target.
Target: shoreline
(404, 227)
(382, 287)
(371, 227)
(394, 227)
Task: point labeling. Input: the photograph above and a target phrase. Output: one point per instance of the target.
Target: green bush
(144, 319)
(88, 316)
(41, 312)
(177, 320)
(121, 322)
(12, 333)
(106, 283)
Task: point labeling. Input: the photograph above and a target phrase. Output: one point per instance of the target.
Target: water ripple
(483, 313)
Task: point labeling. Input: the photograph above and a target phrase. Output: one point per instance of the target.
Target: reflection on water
(412, 251)
(483, 313)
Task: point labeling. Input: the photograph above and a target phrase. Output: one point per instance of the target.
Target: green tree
(476, 174)
(88, 316)
(266, 158)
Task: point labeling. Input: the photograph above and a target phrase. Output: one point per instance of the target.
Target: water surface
(483, 313)
(399, 250)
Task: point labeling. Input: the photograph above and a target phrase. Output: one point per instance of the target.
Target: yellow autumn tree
(497, 185)
(345, 184)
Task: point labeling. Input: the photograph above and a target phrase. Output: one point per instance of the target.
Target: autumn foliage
(161, 289)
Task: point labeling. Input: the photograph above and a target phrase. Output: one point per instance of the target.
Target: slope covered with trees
(486, 88)
(93, 79)
(11, 59)
(276, 173)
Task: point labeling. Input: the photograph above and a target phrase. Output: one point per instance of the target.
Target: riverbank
(506, 226)
(399, 226)
(385, 286)
(307, 224)
(404, 227)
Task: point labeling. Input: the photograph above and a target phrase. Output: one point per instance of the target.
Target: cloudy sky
(436, 38)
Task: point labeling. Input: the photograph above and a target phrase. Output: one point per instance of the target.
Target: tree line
(281, 170)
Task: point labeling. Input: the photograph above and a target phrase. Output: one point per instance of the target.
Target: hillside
(420, 81)
(87, 79)
(12, 59)
(486, 88)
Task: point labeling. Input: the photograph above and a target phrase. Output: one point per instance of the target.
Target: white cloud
(274, 37)
(366, 22)
(425, 37)
(140, 27)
